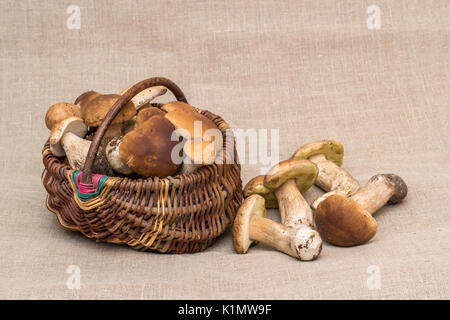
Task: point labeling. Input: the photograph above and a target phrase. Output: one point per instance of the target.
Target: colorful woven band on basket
(86, 192)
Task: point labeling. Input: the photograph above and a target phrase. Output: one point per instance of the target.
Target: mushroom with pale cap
(328, 156)
(348, 221)
(148, 149)
(203, 139)
(256, 186)
(288, 180)
(252, 225)
(66, 139)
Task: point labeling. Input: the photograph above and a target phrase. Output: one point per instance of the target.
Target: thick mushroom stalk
(348, 221)
(381, 189)
(328, 156)
(287, 180)
(66, 139)
(251, 225)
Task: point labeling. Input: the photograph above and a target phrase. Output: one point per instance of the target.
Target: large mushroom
(252, 225)
(203, 140)
(66, 139)
(347, 221)
(328, 156)
(147, 150)
(288, 180)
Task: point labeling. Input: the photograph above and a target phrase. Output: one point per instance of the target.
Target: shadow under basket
(181, 214)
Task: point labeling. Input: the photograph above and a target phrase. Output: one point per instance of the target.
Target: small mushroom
(148, 149)
(328, 156)
(347, 221)
(66, 139)
(203, 140)
(252, 225)
(256, 186)
(61, 111)
(288, 180)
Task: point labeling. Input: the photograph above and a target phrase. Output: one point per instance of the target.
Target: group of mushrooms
(140, 141)
(342, 216)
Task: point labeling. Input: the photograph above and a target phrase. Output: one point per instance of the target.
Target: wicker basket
(181, 214)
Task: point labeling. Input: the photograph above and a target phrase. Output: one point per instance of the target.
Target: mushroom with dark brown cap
(147, 113)
(66, 139)
(288, 180)
(252, 225)
(85, 97)
(347, 221)
(256, 186)
(328, 156)
(61, 111)
(148, 149)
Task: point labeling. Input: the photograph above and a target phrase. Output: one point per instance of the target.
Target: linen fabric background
(311, 69)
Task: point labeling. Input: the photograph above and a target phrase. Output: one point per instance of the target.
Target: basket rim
(171, 180)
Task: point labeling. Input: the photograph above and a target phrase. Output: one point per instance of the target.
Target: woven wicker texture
(181, 214)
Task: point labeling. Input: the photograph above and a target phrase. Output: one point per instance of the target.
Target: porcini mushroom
(328, 156)
(348, 221)
(288, 180)
(256, 186)
(61, 111)
(112, 152)
(203, 140)
(66, 139)
(148, 149)
(146, 114)
(252, 225)
(85, 97)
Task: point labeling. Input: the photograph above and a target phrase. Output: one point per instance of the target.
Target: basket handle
(112, 113)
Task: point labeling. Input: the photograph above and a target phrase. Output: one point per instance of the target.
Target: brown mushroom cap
(146, 114)
(333, 151)
(252, 206)
(343, 222)
(95, 111)
(148, 150)
(200, 152)
(303, 171)
(59, 112)
(256, 186)
(84, 98)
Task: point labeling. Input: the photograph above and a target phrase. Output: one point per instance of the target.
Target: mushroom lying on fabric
(348, 221)
(66, 139)
(328, 156)
(252, 225)
(287, 180)
(203, 138)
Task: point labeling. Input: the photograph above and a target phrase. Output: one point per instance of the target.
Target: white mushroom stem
(302, 243)
(294, 210)
(333, 179)
(76, 150)
(146, 95)
(113, 156)
(375, 194)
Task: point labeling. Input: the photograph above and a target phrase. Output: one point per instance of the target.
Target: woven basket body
(181, 214)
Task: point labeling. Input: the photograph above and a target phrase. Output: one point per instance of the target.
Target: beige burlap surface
(309, 69)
